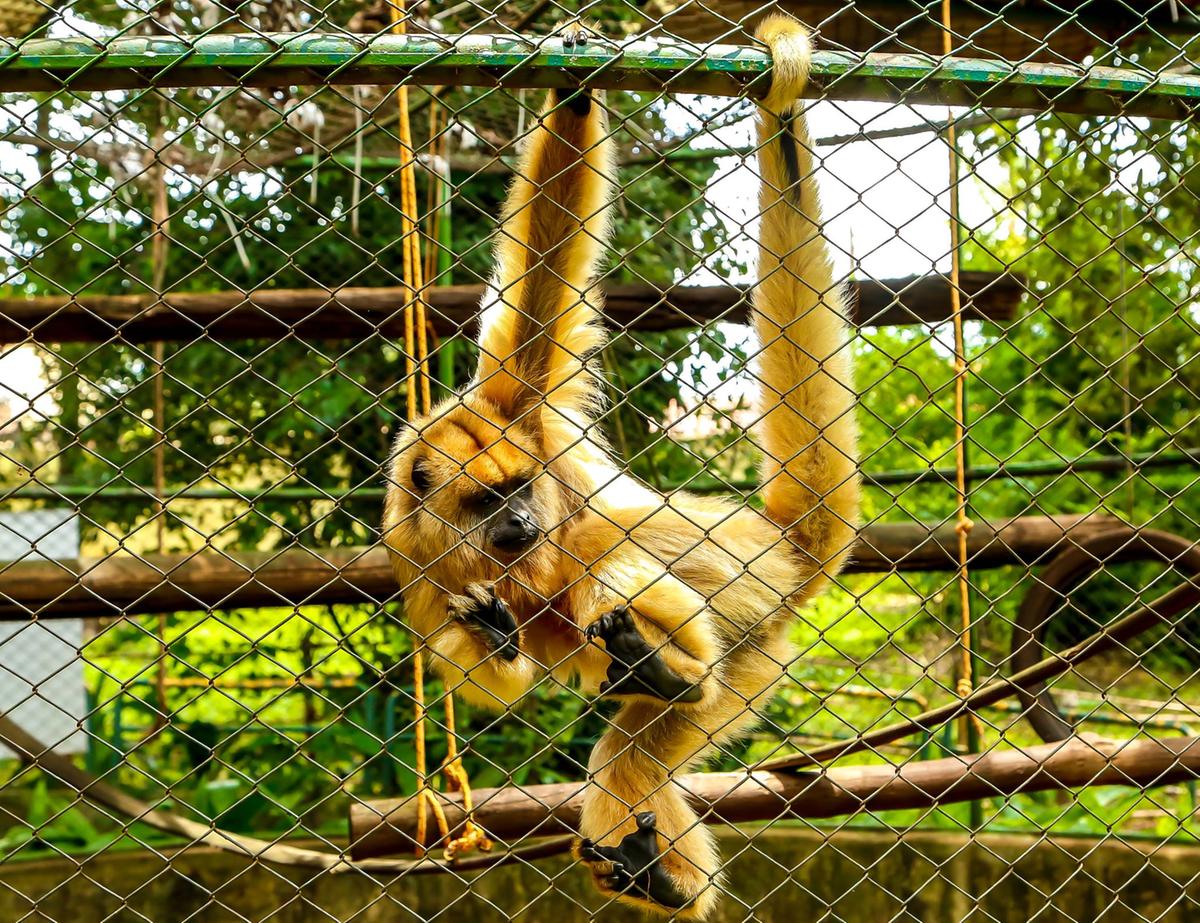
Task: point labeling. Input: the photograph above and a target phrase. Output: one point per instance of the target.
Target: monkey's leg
(632, 868)
(642, 842)
(670, 861)
(661, 645)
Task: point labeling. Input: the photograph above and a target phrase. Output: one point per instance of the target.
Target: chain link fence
(244, 252)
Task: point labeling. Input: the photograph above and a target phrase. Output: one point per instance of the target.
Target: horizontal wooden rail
(380, 828)
(635, 64)
(358, 312)
(128, 584)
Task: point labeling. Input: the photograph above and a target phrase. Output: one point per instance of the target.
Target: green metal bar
(140, 493)
(445, 275)
(126, 492)
(637, 64)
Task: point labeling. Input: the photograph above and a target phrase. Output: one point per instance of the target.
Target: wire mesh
(224, 685)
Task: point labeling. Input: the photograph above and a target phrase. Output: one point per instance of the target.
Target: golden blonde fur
(709, 582)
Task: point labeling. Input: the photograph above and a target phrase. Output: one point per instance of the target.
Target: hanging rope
(416, 359)
(963, 525)
(160, 248)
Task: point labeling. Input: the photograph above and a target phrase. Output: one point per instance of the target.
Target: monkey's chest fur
(740, 565)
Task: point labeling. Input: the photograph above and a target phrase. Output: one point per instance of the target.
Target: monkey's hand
(637, 668)
(487, 615)
(632, 867)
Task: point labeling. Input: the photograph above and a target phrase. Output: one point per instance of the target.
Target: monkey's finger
(482, 593)
(508, 651)
(590, 852)
(502, 616)
(618, 881)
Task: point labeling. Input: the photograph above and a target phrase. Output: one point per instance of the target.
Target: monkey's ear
(422, 480)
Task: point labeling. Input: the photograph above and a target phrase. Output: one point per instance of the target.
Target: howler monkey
(523, 550)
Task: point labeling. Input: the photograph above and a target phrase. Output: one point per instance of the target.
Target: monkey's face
(469, 483)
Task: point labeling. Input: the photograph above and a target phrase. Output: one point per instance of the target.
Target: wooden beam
(379, 828)
(129, 584)
(354, 313)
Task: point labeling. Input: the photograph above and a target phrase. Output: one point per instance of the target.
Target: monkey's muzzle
(513, 532)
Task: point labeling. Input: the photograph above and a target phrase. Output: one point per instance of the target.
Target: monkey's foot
(637, 668)
(485, 613)
(575, 36)
(633, 868)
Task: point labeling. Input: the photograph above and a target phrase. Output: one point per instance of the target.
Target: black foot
(637, 668)
(485, 613)
(632, 867)
(575, 36)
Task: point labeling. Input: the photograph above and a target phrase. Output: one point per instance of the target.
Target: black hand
(487, 614)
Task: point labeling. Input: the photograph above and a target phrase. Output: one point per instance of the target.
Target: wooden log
(1029, 540)
(354, 313)
(128, 584)
(379, 828)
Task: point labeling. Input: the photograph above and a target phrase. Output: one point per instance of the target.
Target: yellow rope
(416, 364)
(963, 525)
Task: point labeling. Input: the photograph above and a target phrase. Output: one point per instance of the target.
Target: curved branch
(1166, 607)
(102, 793)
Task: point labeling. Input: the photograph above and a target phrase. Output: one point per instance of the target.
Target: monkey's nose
(514, 532)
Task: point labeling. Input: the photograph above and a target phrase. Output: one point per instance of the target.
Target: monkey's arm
(541, 325)
(808, 432)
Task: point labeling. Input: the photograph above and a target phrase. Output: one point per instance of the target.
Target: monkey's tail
(807, 429)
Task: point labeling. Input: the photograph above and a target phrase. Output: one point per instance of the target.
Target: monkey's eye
(420, 477)
(491, 500)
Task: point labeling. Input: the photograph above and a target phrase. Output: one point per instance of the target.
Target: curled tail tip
(791, 48)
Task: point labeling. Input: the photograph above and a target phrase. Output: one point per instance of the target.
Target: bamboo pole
(357, 312)
(128, 584)
(379, 828)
